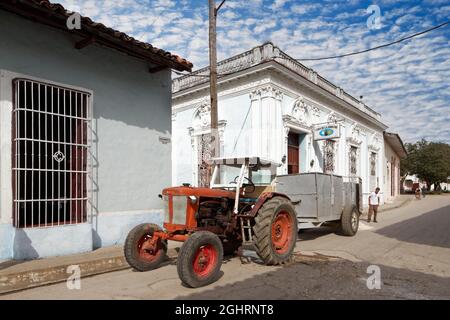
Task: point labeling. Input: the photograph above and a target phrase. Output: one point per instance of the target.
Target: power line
(378, 47)
(338, 56)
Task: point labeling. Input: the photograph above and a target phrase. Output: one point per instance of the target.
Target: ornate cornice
(261, 55)
(245, 86)
(266, 92)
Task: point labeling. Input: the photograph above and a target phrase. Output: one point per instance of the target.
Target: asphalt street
(410, 247)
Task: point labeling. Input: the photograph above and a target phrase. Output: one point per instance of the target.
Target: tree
(430, 161)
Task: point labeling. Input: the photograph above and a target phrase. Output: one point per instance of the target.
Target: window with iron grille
(50, 154)
(373, 164)
(353, 156)
(204, 155)
(328, 156)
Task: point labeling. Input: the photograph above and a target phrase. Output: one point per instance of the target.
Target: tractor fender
(263, 198)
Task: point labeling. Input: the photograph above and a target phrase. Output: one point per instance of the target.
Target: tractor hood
(199, 192)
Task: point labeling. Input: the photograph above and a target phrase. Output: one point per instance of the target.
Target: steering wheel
(245, 185)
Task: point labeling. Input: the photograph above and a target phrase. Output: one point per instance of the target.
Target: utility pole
(215, 147)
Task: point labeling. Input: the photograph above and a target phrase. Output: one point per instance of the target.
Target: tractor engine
(214, 212)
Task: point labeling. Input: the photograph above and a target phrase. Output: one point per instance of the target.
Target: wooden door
(293, 153)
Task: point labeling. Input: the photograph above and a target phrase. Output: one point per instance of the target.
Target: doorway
(293, 153)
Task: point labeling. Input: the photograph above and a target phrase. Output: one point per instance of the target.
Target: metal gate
(50, 154)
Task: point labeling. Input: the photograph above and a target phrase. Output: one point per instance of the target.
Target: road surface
(410, 246)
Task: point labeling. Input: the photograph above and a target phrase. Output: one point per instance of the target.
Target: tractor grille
(179, 209)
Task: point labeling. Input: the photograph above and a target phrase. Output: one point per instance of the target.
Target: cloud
(407, 83)
(277, 4)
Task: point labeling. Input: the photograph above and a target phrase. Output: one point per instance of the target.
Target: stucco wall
(234, 103)
(391, 171)
(131, 111)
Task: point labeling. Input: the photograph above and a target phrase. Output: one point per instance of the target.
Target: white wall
(236, 102)
(391, 169)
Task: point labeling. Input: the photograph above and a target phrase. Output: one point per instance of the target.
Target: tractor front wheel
(275, 231)
(141, 250)
(200, 259)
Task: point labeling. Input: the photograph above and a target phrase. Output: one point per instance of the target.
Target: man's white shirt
(374, 198)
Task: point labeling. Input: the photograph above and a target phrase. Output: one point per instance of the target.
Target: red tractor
(224, 218)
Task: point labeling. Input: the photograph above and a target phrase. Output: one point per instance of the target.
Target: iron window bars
(50, 154)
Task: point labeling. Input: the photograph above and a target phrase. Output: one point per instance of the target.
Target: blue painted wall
(132, 110)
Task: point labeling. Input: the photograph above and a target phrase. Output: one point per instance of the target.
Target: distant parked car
(408, 185)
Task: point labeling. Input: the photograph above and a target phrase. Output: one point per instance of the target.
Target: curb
(401, 204)
(14, 282)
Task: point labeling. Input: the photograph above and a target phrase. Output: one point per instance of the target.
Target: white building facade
(270, 105)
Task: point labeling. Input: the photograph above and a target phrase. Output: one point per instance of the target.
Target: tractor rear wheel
(200, 259)
(137, 252)
(275, 231)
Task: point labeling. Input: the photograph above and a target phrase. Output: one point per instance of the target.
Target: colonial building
(394, 152)
(84, 129)
(272, 106)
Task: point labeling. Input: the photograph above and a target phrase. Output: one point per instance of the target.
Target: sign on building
(327, 131)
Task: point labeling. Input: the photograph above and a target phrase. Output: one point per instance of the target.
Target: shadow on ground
(322, 277)
(10, 263)
(314, 233)
(431, 228)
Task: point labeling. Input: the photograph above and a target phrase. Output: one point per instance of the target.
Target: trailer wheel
(350, 222)
(137, 254)
(275, 231)
(200, 259)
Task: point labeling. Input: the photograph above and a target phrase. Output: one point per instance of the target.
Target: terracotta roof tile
(177, 62)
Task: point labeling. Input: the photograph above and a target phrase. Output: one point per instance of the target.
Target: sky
(408, 83)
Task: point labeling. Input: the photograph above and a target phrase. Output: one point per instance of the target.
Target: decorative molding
(299, 111)
(312, 75)
(315, 112)
(245, 86)
(302, 114)
(199, 130)
(202, 117)
(333, 117)
(290, 122)
(266, 92)
(356, 135)
(375, 142)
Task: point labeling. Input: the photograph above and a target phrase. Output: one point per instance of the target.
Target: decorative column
(266, 123)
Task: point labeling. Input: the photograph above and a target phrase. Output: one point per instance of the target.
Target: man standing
(424, 190)
(374, 202)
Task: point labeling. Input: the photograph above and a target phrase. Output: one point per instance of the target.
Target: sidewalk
(400, 201)
(20, 275)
